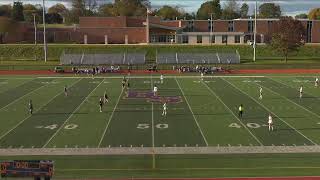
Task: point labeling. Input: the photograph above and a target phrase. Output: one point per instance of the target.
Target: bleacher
(198, 58)
(102, 59)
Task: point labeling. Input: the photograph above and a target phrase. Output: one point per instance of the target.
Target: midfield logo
(148, 95)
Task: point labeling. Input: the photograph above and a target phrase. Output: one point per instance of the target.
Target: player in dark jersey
(100, 104)
(123, 83)
(106, 98)
(65, 91)
(30, 107)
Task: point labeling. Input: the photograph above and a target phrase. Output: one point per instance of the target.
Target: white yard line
(194, 117)
(271, 112)
(110, 118)
(290, 86)
(54, 135)
(23, 96)
(212, 92)
(291, 101)
(152, 131)
(152, 116)
(34, 112)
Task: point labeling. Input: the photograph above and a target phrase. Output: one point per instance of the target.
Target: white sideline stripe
(54, 135)
(23, 96)
(173, 150)
(110, 118)
(34, 112)
(292, 102)
(233, 114)
(194, 117)
(272, 113)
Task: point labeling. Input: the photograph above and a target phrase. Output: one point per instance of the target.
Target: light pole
(35, 28)
(147, 26)
(44, 31)
(255, 32)
(211, 27)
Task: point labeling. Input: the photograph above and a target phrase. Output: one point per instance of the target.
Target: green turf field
(200, 113)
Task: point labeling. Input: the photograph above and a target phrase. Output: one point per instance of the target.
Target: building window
(199, 39)
(250, 26)
(237, 39)
(309, 32)
(230, 26)
(190, 26)
(185, 39)
(224, 39)
(213, 39)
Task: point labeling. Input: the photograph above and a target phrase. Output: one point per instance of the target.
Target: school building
(153, 30)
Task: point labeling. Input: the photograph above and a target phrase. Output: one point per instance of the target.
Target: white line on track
(271, 112)
(34, 112)
(23, 96)
(194, 117)
(110, 118)
(54, 135)
(212, 92)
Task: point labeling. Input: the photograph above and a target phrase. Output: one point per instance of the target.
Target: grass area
(200, 113)
(186, 166)
(31, 52)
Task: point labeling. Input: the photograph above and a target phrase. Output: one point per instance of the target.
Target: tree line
(59, 14)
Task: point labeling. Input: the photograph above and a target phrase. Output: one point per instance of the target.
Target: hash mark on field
(194, 117)
(270, 112)
(34, 113)
(63, 125)
(212, 92)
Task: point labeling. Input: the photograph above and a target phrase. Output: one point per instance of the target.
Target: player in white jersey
(161, 79)
(202, 75)
(316, 82)
(164, 111)
(260, 92)
(270, 123)
(155, 90)
(300, 92)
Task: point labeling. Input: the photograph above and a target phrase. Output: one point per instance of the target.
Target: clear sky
(289, 7)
